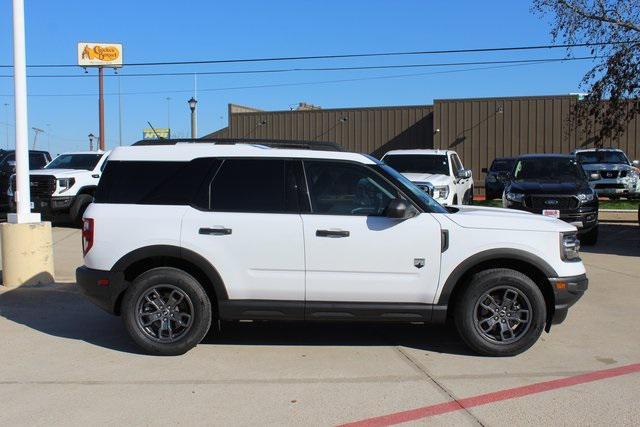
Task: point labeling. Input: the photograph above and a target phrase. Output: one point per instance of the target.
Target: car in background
(439, 173)
(554, 185)
(497, 177)
(66, 186)
(37, 160)
(610, 171)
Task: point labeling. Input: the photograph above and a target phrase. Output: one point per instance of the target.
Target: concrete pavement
(63, 361)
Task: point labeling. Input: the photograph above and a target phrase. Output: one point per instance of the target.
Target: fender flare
(179, 253)
(489, 255)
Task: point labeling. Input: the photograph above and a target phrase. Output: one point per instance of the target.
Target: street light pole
(23, 194)
(6, 105)
(101, 105)
(91, 136)
(169, 115)
(194, 126)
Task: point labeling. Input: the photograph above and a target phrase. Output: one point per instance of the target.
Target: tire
(469, 196)
(172, 285)
(79, 206)
(495, 341)
(590, 237)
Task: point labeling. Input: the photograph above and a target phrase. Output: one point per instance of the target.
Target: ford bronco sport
(181, 236)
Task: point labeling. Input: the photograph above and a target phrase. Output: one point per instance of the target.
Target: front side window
(340, 188)
(36, 161)
(250, 185)
(457, 164)
(75, 161)
(416, 163)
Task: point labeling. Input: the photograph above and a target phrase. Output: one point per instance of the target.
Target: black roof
(273, 143)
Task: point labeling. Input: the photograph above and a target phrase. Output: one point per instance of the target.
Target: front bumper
(567, 290)
(615, 186)
(52, 206)
(103, 288)
(584, 218)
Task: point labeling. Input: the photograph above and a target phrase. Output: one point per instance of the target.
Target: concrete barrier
(27, 254)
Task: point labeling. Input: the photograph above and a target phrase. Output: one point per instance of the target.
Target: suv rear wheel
(166, 311)
(500, 313)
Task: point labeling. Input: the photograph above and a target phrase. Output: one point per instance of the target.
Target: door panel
(376, 262)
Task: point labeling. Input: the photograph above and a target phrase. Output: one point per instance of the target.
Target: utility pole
(35, 137)
(119, 113)
(101, 105)
(169, 115)
(6, 106)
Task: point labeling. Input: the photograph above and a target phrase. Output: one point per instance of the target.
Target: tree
(612, 28)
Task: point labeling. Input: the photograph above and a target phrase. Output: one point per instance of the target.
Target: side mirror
(464, 174)
(594, 176)
(636, 163)
(397, 208)
(485, 170)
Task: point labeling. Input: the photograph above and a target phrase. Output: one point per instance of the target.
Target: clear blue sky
(197, 30)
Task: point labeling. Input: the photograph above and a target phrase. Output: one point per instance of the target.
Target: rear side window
(156, 183)
(251, 185)
(37, 160)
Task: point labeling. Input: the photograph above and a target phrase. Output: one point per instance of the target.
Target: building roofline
(506, 98)
(385, 107)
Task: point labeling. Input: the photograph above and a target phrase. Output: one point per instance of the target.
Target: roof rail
(271, 143)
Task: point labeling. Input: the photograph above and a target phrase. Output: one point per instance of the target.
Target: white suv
(438, 172)
(182, 236)
(66, 185)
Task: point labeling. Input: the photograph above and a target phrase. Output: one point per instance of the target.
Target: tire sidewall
(79, 206)
(201, 305)
(477, 287)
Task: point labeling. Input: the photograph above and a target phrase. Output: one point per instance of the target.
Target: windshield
(75, 161)
(502, 165)
(605, 156)
(407, 163)
(547, 168)
(409, 187)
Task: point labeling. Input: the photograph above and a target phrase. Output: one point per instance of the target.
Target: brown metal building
(478, 129)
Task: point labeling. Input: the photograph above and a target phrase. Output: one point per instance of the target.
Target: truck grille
(42, 185)
(551, 202)
(609, 174)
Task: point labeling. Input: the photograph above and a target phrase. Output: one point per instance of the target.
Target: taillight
(87, 235)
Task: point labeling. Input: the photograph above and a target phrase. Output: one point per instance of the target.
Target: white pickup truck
(66, 185)
(440, 173)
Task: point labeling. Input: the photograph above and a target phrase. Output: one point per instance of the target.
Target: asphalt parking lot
(64, 361)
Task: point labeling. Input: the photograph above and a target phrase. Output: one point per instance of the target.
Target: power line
(273, 85)
(319, 69)
(344, 56)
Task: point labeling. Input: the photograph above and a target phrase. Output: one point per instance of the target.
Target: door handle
(332, 233)
(218, 231)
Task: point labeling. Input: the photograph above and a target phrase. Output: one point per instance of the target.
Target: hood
(549, 186)
(434, 178)
(605, 166)
(59, 173)
(506, 219)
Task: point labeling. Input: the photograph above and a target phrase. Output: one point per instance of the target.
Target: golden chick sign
(99, 55)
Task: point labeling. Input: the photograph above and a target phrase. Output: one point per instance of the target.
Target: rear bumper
(103, 288)
(567, 291)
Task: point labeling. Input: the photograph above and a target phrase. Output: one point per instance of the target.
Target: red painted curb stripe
(483, 399)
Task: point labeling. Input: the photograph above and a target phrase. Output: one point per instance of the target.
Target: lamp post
(192, 105)
(169, 115)
(91, 137)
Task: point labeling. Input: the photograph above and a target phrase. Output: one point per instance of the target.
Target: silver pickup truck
(610, 172)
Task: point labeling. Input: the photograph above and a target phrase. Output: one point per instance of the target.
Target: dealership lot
(59, 351)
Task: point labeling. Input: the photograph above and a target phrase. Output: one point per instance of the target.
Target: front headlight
(585, 197)
(441, 192)
(515, 197)
(569, 246)
(65, 183)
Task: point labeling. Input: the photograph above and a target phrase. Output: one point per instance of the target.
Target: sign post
(100, 55)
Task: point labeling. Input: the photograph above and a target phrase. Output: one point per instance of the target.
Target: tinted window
(75, 161)
(337, 188)
(423, 199)
(159, 183)
(37, 160)
(457, 164)
(409, 163)
(502, 165)
(547, 168)
(605, 156)
(251, 185)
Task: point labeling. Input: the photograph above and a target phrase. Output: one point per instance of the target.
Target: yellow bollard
(27, 254)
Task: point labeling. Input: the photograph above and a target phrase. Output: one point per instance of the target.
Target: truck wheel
(500, 313)
(590, 237)
(166, 311)
(80, 205)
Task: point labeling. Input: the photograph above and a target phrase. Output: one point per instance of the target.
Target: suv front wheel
(166, 311)
(500, 313)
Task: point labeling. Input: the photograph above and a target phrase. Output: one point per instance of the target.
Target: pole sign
(159, 133)
(100, 55)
